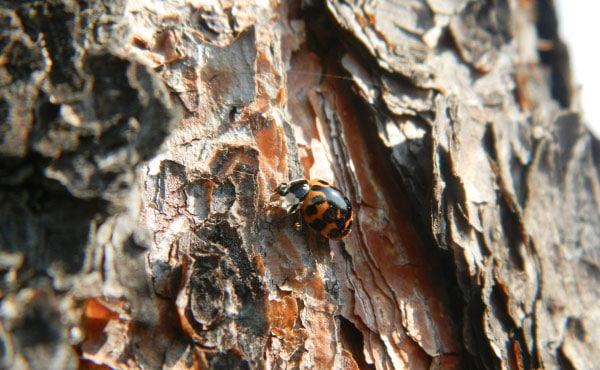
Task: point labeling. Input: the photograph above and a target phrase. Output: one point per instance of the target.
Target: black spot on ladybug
(318, 225)
(310, 210)
(317, 199)
(331, 215)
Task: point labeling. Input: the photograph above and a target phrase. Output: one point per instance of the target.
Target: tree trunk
(141, 142)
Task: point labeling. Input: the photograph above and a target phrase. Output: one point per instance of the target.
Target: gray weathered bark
(140, 143)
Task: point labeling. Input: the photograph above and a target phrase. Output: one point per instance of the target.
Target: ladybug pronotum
(323, 206)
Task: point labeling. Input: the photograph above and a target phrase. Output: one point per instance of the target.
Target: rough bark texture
(140, 142)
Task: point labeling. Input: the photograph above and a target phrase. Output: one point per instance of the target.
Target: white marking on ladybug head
(290, 201)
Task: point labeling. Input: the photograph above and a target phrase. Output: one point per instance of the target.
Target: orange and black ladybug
(322, 206)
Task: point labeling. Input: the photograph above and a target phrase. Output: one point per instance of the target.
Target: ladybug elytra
(322, 206)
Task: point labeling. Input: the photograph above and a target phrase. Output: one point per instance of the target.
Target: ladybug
(322, 206)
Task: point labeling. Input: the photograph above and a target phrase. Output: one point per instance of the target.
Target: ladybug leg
(294, 208)
(298, 224)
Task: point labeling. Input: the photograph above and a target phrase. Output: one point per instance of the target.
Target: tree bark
(141, 142)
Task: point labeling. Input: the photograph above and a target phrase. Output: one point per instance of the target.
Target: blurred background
(577, 23)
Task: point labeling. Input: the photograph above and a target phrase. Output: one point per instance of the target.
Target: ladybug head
(294, 192)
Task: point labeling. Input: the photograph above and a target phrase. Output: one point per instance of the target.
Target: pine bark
(140, 143)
